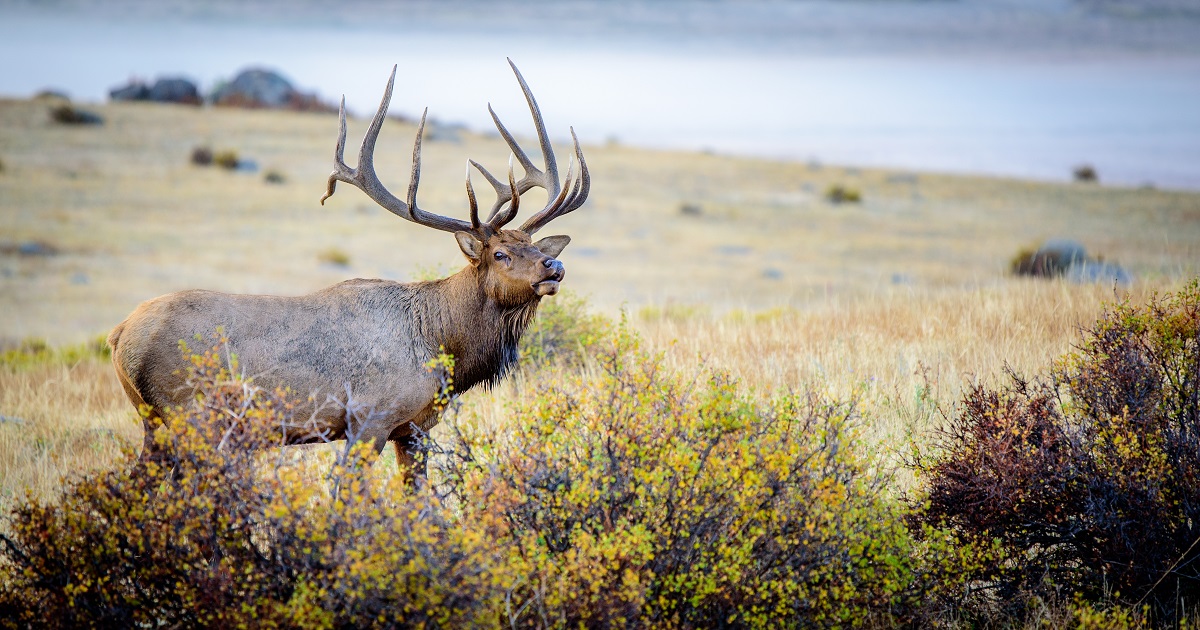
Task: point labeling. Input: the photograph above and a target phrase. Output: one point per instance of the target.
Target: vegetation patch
(334, 256)
(1088, 478)
(31, 353)
(632, 497)
(68, 114)
(839, 193)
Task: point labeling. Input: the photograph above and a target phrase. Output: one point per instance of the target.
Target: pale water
(1005, 87)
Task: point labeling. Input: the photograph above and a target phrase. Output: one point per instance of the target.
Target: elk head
(510, 266)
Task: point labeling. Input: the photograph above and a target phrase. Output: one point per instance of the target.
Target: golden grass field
(898, 300)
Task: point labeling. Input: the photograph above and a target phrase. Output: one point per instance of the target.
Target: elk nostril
(549, 262)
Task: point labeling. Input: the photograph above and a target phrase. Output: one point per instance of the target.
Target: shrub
(334, 256)
(274, 177)
(1089, 478)
(67, 114)
(1085, 173)
(636, 498)
(625, 496)
(563, 331)
(226, 159)
(838, 193)
(216, 532)
(203, 156)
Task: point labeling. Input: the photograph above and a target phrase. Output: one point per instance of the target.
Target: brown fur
(368, 340)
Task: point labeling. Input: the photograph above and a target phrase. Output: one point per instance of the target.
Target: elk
(372, 339)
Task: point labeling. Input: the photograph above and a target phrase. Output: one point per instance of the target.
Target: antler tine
(471, 200)
(340, 170)
(364, 178)
(497, 222)
(503, 195)
(567, 202)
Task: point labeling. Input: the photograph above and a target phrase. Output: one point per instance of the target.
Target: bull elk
(372, 339)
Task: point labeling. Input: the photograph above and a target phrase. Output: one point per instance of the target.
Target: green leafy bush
(1089, 478)
(563, 331)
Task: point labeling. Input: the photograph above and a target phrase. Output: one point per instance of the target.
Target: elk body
(370, 340)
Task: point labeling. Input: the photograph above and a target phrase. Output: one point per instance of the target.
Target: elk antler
(364, 178)
(563, 199)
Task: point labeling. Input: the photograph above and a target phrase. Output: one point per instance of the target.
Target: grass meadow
(901, 301)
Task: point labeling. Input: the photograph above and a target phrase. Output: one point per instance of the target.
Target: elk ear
(470, 245)
(552, 246)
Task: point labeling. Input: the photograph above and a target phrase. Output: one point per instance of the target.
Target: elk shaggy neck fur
(483, 337)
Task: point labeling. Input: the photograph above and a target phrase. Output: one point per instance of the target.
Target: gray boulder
(174, 90)
(135, 91)
(1095, 271)
(255, 87)
(164, 90)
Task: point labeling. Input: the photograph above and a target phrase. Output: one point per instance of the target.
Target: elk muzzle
(549, 284)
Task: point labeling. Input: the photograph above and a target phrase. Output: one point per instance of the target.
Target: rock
(1051, 258)
(135, 91)
(164, 90)
(51, 94)
(1099, 272)
(691, 209)
(258, 88)
(33, 248)
(246, 166)
(174, 90)
(450, 134)
(36, 248)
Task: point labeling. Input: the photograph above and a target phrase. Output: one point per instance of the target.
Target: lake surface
(1005, 87)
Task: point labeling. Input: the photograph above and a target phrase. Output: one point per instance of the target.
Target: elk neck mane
(456, 314)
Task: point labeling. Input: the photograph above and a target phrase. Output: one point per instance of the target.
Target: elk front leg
(410, 458)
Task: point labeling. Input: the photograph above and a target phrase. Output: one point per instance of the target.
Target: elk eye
(501, 256)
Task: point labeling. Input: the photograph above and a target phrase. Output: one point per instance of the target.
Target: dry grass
(896, 299)
(60, 419)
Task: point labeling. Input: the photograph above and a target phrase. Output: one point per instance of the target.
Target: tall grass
(900, 354)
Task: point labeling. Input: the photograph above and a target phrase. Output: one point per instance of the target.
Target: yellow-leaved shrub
(620, 494)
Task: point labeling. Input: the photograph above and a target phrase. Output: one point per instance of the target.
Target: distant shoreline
(995, 88)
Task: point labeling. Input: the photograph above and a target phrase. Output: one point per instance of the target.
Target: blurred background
(1025, 88)
(747, 155)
